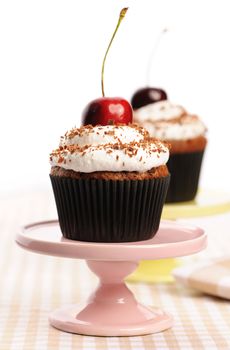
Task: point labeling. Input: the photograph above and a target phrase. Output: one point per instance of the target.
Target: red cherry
(145, 96)
(108, 110)
(148, 95)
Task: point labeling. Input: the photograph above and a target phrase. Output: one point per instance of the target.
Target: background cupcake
(110, 183)
(186, 134)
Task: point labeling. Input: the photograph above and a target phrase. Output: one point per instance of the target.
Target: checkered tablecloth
(32, 285)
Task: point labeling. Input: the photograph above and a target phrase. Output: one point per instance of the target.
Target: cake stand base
(68, 319)
(112, 309)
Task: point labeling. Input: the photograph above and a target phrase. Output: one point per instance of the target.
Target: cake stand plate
(112, 309)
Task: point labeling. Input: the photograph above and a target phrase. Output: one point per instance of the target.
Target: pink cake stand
(112, 309)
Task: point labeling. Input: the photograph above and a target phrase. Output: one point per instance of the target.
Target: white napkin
(212, 277)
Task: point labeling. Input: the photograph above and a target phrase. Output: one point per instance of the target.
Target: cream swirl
(109, 148)
(167, 121)
(100, 135)
(162, 110)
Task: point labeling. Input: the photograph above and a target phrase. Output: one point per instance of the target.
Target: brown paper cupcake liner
(185, 172)
(96, 210)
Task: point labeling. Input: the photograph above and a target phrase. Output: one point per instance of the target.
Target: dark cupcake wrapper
(185, 172)
(96, 210)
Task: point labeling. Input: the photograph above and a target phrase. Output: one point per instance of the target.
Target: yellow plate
(155, 271)
(206, 203)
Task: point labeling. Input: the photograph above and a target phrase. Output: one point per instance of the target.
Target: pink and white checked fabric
(33, 285)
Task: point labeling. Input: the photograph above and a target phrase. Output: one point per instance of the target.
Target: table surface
(33, 285)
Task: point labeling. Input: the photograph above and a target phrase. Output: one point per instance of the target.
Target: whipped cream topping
(167, 121)
(162, 110)
(109, 148)
(102, 135)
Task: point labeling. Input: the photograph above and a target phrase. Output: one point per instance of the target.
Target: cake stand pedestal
(112, 309)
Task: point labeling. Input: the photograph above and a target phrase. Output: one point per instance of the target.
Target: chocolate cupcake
(110, 183)
(186, 134)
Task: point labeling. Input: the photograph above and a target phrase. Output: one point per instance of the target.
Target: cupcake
(186, 134)
(110, 183)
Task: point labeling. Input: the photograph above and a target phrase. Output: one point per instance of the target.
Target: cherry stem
(121, 16)
(153, 53)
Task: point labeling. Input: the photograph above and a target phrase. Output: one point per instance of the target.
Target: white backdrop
(50, 62)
